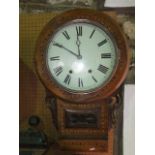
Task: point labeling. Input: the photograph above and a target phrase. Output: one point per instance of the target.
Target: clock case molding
(81, 139)
(100, 103)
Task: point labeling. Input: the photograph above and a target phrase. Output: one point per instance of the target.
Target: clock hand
(78, 44)
(63, 47)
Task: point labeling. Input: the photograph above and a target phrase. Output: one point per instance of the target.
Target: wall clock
(82, 60)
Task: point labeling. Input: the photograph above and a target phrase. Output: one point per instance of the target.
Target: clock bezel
(84, 21)
(96, 17)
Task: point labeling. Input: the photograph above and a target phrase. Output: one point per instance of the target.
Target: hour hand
(57, 44)
(63, 47)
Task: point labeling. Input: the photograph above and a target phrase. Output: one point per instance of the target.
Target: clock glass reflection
(81, 56)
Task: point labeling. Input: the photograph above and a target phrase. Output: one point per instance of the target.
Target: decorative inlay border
(62, 106)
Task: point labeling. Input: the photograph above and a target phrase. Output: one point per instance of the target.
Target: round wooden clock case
(94, 17)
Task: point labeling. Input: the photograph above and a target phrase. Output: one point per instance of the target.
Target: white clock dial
(81, 57)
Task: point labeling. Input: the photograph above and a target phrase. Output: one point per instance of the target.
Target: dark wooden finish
(121, 10)
(82, 15)
(76, 146)
(87, 141)
(84, 145)
(100, 132)
(88, 118)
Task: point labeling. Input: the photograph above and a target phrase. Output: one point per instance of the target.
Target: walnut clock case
(82, 59)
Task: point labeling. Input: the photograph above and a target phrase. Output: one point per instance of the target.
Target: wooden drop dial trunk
(82, 99)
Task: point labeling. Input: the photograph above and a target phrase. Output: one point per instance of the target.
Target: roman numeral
(103, 69)
(102, 42)
(94, 79)
(65, 33)
(79, 30)
(55, 58)
(58, 70)
(106, 55)
(67, 79)
(80, 82)
(92, 33)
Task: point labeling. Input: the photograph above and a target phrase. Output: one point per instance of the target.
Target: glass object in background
(73, 2)
(37, 6)
(119, 3)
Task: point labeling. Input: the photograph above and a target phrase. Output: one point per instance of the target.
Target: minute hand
(63, 47)
(78, 44)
